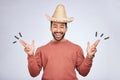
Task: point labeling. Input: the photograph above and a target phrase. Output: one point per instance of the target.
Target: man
(60, 57)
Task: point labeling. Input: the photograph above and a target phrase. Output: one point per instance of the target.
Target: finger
(96, 43)
(94, 49)
(33, 42)
(23, 42)
(88, 45)
(26, 50)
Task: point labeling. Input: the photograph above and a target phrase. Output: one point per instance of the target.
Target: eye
(62, 26)
(54, 26)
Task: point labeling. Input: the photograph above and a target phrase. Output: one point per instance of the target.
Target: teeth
(58, 34)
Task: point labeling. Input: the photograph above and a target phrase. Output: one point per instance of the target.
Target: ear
(66, 28)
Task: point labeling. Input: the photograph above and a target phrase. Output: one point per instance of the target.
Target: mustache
(58, 32)
(54, 33)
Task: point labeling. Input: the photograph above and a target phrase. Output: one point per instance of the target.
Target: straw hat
(60, 15)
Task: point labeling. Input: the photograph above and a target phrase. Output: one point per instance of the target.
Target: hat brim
(65, 20)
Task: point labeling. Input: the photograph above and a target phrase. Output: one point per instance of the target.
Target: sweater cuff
(30, 57)
(88, 61)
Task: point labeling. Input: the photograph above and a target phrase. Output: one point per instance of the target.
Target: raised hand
(28, 48)
(91, 49)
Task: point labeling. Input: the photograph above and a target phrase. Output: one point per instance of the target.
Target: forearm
(33, 66)
(85, 67)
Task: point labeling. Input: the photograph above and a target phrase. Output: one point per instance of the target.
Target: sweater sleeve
(34, 63)
(83, 64)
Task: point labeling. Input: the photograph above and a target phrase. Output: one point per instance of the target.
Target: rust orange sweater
(59, 61)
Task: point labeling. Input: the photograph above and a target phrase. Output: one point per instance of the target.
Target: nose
(58, 30)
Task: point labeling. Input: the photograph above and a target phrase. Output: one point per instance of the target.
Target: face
(58, 30)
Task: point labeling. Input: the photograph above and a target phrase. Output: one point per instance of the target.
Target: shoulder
(43, 46)
(74, 45)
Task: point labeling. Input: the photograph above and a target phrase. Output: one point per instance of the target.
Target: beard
(58, 36)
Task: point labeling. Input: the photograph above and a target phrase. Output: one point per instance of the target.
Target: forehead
(59, 23)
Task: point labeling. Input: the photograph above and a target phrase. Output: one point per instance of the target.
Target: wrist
(31, 53)
(90, 56)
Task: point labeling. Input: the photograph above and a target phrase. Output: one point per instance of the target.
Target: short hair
(52, 22)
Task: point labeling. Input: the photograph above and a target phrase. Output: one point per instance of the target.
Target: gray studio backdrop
(27, 17)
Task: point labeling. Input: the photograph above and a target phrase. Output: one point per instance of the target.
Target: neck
(59, 41)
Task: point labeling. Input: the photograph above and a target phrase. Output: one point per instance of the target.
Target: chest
(59, 55)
